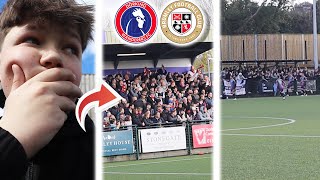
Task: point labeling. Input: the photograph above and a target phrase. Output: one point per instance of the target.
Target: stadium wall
(268, 47)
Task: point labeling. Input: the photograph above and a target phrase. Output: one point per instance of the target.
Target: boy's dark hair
(62, 12)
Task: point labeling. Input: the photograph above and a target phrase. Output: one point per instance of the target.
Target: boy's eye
(31, 40)
(72, 50)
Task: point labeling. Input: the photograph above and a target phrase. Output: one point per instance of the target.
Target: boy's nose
(51, 59)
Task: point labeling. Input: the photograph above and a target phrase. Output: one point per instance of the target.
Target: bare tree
(207, 8)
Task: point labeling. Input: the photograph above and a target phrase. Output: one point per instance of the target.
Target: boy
(41, 45)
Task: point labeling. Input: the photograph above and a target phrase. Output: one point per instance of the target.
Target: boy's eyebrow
(32, 27)
(70, 31)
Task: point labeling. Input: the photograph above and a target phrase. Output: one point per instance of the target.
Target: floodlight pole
(210, 63)
(315, 36)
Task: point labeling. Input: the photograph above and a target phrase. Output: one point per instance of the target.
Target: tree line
(269, 17)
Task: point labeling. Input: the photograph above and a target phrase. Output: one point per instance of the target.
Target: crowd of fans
(256, 75)
(158, 98)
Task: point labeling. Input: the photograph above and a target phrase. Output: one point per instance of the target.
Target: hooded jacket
(69, 155)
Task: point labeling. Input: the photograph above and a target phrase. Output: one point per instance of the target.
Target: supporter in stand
(209, 99)
(262, 79)
(172, 117)
(146, 73)
(182, 116)
(157, 119)
(195, 113)
(162, 70)
(165, 113)
(152, 100)
(121, 119)
(161, 97)
(192, 73)
(147, 118)
(137, 117)
(204, 113)
(149, 108)
(113, 124)
(128, 121)
(210, 111)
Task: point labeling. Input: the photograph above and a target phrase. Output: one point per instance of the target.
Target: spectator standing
(172, 117)
(162, 70)
(157, 119)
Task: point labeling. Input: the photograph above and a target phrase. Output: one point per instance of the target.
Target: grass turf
(195, 167)
(275, 152)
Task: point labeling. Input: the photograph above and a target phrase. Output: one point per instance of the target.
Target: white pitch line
(273, 135)
(136, 164)
(259, 98)
(258, 127)
(166, 173)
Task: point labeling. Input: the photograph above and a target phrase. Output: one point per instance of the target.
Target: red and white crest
(181, 22)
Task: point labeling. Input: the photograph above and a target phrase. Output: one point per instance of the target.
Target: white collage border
(216, 160)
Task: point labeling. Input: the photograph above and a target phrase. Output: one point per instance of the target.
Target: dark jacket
(69, 155)
(173, 119)
(158, 121)
(138, 120)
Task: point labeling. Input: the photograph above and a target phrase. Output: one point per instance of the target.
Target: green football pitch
(195, 167)
(271, 138)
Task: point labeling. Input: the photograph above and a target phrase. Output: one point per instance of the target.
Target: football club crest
(136, 22)
(182, 22)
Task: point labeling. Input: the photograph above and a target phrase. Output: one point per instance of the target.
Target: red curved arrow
(106, 96)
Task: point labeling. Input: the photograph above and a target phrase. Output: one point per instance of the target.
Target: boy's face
(36, 48)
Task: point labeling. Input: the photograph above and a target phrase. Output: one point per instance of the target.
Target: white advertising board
(163, 139)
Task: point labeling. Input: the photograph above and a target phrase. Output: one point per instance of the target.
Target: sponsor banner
(117, 143)
(163, 139)
(311, 85)
(267, 86)
(202, 135)
(227, 88)
(240, 87)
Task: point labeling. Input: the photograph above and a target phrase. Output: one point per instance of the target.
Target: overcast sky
(88, 57)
